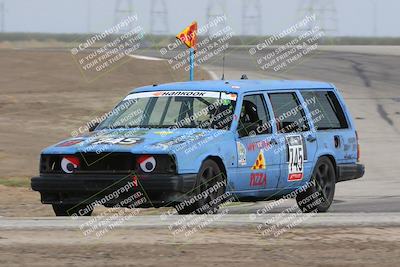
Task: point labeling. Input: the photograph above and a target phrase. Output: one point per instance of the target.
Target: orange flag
(189, 35)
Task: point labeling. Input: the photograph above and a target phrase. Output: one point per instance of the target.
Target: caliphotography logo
(199, 133)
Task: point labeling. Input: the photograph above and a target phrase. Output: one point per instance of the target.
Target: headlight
(69, 164)
(147, 163)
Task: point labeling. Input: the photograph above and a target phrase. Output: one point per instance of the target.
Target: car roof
(236, 86)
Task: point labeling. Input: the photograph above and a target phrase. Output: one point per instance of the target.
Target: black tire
(70, 210)
(319, 196)
(209, 175)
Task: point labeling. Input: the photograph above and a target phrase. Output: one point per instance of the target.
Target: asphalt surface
(370, 84)
(231, 220)
(369, 80)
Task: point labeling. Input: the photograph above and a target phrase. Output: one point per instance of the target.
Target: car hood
(138, 140)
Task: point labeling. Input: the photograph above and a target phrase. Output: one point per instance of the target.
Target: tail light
(358, 147)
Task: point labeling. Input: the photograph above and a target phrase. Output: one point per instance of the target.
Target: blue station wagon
(185, 145)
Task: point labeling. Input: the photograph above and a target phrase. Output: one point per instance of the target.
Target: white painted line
(212, 74)
(231, 220)
(147, 58)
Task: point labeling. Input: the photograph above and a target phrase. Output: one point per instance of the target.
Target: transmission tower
(251, 17)
(2, 16)
(215, 11)
(123, 9)
(159, 17)
(326, 15)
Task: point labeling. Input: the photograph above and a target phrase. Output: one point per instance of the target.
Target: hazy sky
(355, 17)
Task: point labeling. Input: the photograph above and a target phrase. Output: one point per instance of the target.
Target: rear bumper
(346, 172)
(160, 189)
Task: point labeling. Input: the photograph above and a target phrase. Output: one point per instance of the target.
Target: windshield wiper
(126, 126)
(157, 126)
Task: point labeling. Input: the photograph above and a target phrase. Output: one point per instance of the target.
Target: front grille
(106, 163)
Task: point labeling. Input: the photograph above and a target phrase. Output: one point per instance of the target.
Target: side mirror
(93, 127)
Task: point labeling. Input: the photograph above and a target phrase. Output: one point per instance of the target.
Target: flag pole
(191, 63)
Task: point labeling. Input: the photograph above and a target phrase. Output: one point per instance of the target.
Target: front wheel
(71, 209)
(319, 195)
(210, 186)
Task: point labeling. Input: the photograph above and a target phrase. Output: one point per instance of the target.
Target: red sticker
(295, 176)
(258, 179)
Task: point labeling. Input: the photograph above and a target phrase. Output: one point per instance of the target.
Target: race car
(194, 145)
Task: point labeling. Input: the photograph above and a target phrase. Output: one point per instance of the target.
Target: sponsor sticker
(241, 150)
(163, 132)
(211, 94)
(118, 141)
(260, 162)
(258, 179)
(296, 157)
(70, 142)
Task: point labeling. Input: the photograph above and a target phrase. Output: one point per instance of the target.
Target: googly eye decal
(69, 164)
(147, 163)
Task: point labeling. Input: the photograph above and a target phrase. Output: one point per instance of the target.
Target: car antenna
(223, 66)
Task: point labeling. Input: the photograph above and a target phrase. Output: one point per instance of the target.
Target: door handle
(311, 138)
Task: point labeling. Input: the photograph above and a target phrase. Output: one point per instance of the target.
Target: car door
(297, 141)
(258, 168)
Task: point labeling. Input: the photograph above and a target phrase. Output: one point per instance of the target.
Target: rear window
(327, 106)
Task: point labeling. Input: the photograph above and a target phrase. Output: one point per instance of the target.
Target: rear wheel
(209, 186)
(71, 209)
(319, 195)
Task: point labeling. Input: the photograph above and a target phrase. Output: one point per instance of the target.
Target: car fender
(223, 147)
(325, 152)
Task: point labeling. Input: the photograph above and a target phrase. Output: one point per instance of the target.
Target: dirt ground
(211, 247)
(44, 97)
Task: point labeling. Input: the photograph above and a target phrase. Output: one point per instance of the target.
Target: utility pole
(123, 9)
(326, 15)
(2, 16)
(89, 15)
(215, 9)
(159, 17)
(375, 18)
(251, 17)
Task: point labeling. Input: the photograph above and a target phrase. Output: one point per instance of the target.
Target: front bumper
(346, 172)
(160, 189)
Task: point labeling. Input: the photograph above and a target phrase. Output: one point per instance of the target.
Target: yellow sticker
(163, 132)
(260, 162)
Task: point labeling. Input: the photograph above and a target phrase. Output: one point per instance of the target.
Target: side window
(253, 116)
(325, 110)
(289, 114)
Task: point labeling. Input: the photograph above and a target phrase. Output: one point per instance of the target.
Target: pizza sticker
(260, 162)
(295, 157)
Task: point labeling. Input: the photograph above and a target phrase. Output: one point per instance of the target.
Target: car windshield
(173, 109)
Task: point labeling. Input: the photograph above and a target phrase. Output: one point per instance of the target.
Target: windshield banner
(211, 94)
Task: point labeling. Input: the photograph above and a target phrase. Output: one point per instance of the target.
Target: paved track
(231, 220)
(370, 84)
(369, 79)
